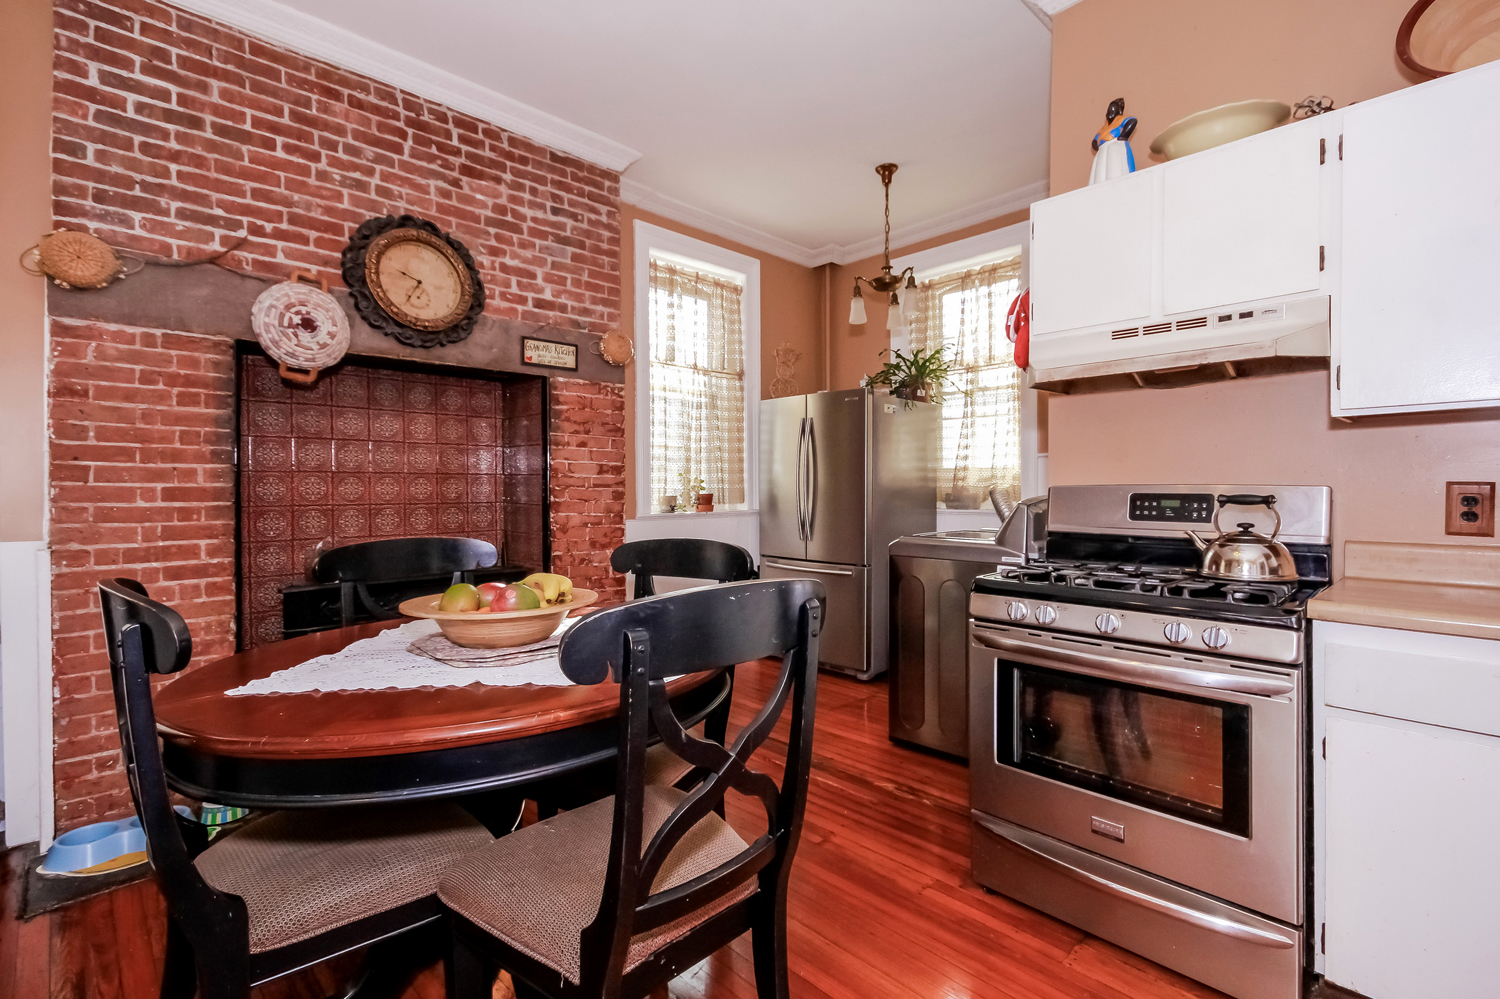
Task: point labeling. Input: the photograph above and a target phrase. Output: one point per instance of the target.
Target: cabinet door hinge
(1325, 747)
(1338, 383)
(1322, 151)
(1322, 938)
(1341, 146)
(1322, 257)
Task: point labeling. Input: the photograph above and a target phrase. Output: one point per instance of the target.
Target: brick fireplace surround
(172, 137)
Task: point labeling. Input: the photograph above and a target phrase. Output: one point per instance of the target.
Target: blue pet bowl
(97, 843)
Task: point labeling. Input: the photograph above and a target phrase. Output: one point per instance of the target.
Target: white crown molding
(311, 36)
(641, 196)
(1045, 9)
(991, 208)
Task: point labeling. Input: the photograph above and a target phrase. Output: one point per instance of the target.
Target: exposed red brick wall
(588, 482)
(142, 481)
(173, 136)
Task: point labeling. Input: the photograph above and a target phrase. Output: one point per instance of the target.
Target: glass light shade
(857, 308)
(895, 316)
(909, 299)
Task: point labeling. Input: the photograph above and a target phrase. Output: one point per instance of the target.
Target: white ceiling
(760, 121)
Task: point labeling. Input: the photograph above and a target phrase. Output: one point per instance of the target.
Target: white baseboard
(26, 690)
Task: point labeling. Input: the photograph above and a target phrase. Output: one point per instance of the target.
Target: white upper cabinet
(1241, 222)
(1419, 328)
(1091, 255)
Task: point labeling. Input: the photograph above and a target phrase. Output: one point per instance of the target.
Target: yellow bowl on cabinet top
(1219, 125)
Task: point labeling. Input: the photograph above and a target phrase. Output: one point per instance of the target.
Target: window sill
(696, 514)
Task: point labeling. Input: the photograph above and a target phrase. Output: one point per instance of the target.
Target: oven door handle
(1265, 686)
(1194, 917)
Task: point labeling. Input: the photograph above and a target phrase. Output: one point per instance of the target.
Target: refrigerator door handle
(808, 568)
(813, 475)
(801, 445)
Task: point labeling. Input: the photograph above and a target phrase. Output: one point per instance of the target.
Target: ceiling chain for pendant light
(900, 287)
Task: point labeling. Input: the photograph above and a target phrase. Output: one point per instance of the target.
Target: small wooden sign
(549, 353)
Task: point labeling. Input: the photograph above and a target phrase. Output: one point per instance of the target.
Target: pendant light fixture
(901, 288)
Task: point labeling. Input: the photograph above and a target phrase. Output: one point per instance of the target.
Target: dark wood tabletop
(314, 748)
(195, 711)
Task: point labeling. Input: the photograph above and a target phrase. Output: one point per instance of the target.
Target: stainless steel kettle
(1243, 555)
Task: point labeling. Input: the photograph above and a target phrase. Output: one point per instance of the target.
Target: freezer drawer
(842, 645)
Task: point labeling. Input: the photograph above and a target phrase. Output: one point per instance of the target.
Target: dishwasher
(931, 575)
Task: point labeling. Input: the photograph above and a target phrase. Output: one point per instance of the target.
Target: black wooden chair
(695, 558)
(354, 567)
(288, 889)
(574, 906)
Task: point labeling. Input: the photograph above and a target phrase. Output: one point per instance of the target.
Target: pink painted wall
(1168, 58)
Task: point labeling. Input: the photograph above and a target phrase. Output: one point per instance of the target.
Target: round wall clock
(412, 281)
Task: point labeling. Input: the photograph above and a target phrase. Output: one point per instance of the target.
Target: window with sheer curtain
(965, 315)
(697, 384)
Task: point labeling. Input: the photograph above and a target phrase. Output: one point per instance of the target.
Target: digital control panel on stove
(1190, 508)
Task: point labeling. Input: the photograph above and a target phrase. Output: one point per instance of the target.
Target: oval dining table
(349, 747)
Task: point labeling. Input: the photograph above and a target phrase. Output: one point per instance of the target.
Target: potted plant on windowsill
(916, 377)
(694, 498)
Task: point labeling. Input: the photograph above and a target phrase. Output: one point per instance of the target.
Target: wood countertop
(1442, 589)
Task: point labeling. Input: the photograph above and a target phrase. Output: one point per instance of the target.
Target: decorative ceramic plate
(1439, 37)
(1217, 126)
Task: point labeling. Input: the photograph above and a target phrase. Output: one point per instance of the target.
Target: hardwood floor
(882, 904)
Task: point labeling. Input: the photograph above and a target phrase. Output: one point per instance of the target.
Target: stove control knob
(1107, 624)
(1017, 611)
(1046, 614)
(1215, 638)
(1177, 632)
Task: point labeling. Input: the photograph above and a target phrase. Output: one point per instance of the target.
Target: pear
(459, 597)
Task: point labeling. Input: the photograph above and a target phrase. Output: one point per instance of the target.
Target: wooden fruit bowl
(496, 629)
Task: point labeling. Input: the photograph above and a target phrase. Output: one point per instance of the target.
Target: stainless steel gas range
(1137, 736)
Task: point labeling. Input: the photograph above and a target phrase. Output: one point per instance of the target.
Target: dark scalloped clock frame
(364, 300)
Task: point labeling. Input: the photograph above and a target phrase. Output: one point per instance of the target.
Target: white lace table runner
(385, 663)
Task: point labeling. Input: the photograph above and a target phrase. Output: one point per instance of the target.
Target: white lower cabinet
(1407, 811)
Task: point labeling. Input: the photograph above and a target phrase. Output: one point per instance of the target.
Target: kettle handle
(1248, 499)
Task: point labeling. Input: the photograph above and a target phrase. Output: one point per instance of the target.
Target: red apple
(487, 593)
(515, 597)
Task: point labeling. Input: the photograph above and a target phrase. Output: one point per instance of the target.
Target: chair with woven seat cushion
(355, 567)
(288, 889)
(620, 896)
(690, 558)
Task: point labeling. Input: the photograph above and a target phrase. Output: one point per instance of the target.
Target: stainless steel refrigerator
(842, 475)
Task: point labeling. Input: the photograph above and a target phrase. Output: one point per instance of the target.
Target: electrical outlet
(1469, 509)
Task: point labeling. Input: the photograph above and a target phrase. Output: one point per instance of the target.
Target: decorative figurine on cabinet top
(1113, 156)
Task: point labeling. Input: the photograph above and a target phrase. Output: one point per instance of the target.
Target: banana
(551, 587)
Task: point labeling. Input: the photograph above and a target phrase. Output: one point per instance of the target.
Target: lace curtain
(965, 314)
(697, 384)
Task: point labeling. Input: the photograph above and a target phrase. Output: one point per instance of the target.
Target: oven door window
(1174, 753)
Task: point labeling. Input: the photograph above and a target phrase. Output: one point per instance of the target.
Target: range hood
(1229, 342)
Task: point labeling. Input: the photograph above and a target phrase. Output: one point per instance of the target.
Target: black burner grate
(1150, 580)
